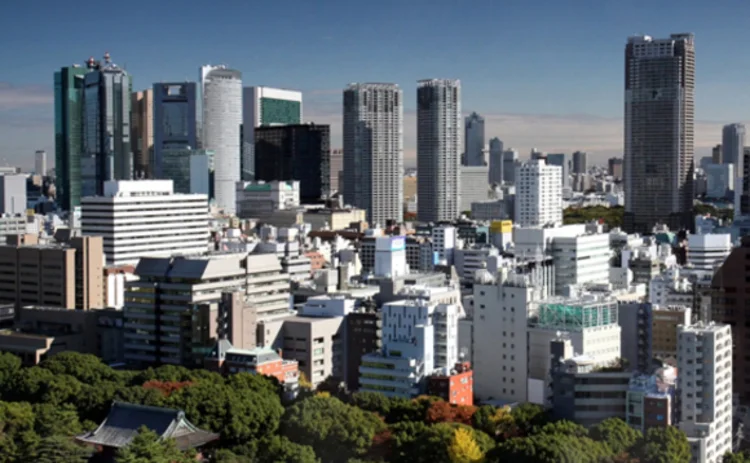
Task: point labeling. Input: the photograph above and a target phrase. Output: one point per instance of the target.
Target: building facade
(175, 122)
(659, 131)
(439, 147)
(142, 132)
(474, 140)
(538, 194)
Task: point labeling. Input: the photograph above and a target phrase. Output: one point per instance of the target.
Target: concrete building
(142, 132)
(115, 279)
(67, 275)
(704, 362)
(439, 147)
(336, 168)
(12, 224)
(659, 152)
(374, 150)
(146, 219)
(262, 107)
(510, 164)
(261, 199)
(474, 186)
(707, 252)
(496, 161)
(13, 194)
(295, 152)
(563, 161)
(474, 141)
(665, 320)
(581, 259)
(363, 336)
(489, 210)
(176, 311)
(316, 343)
(636, 337)
(538, 194)
(732, 143)
(221, 93)
(454, 385)
(652, 400)
(40, 163)
(175, 125)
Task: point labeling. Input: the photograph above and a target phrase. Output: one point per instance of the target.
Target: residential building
(40, 163)
(580, 164)
(374, 150)
(145, 218)
(652, 400)
(107, 151)
(496, 161)
(174, 125)
(474, 186)
(439, 150)
(538, 194)
(454, 385)
(295, 152)
(261, 199)
(265, 106)
(704, 363)
(69, 84)
(13, 194)
(732, 143)
(67, 275)
(659, 79)
(474, 141)
(142, 132)
(221, 93)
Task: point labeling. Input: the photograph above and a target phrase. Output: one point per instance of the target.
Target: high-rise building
(580, 162)
(439, 149)
(69, 135)
(717, 156)
(106, 126)
(510, 163)
(563, 161)
(474, 140)
(145, 218)
(496, 161)
(221, 93)
(264, 106)
(13, 194)
(175, 121)
(614, 168)
(742, 187)
(335, 167)
(374, 150)
(732, 143)
(704, 363)
(295, 152)
(142, 132)
(659, 120)
(538, 194)
(40, 162)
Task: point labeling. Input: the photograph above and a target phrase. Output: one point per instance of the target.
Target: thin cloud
(24, 96)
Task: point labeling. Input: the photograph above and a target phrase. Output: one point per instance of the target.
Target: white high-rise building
(538, 194)
(263, 106)
(439, 145)
(496, 161)
(144, 218)
(221, 93)
(40, 162)
(732, 143)
(474, 139)
(704, 362)
(374, 150)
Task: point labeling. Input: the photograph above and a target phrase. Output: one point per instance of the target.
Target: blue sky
(546, 74)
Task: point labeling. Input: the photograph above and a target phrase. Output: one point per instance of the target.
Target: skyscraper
(221, 91)
(106, 126)
(40, 162)
(580, 163)
(263, 106)
(510, 163)
(659, 118)
(438, 149)
(142, 132)
(374, 150)
(474, 140)
(732, 143)
(69, 135)
(175, 120)
(562, 160)
(496, 161)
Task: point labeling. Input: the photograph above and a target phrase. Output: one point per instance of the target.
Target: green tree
(55, 449)
(434, 443)
(617, 434)
(147, 447)
(741, 457)
(18, 440)
(9, 365)
(335, 430)
(55, 420)
(86, 368)
(549, 448)
(527, 417)
(279, 449)
(664, 445)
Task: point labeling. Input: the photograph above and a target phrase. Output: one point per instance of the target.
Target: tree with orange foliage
(444, 412)
(166, 387)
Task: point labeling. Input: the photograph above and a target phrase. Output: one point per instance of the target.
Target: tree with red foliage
(444, 412)
(166, 387)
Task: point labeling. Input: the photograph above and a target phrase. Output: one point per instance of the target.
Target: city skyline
(539, 91)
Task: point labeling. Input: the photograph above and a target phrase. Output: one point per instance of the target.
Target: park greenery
(612, 216)
(43, 407)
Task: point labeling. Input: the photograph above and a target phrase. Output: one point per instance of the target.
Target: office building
(496, 161)
(636, 340)
(190, 170)
(581, 259)
(142, 132)
(175, 123)
(732, 143)
(221, 93)
(474, 141)
(107, 151)
(707, 252)
(659, 80)
(510, 164)
(316, 343)
(265, 106)
(563, 161)
(13, 194)
(40, 163)
(295, 152)
(580, 162)
(145, 218)
(704, 363)
(335, 169)
(538, 194)
(474, 186)
(720, 179)
(717, 156)
(177, 309)
(614, 168)
(69, 83)
(67, 275)
(439, 150)
(260, 199)
(374, 150)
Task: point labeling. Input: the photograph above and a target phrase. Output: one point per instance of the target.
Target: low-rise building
(261, 199)
(652, 400)
(454, 385)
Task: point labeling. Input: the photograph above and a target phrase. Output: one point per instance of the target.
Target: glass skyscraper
(69, 135)
(174, 121)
